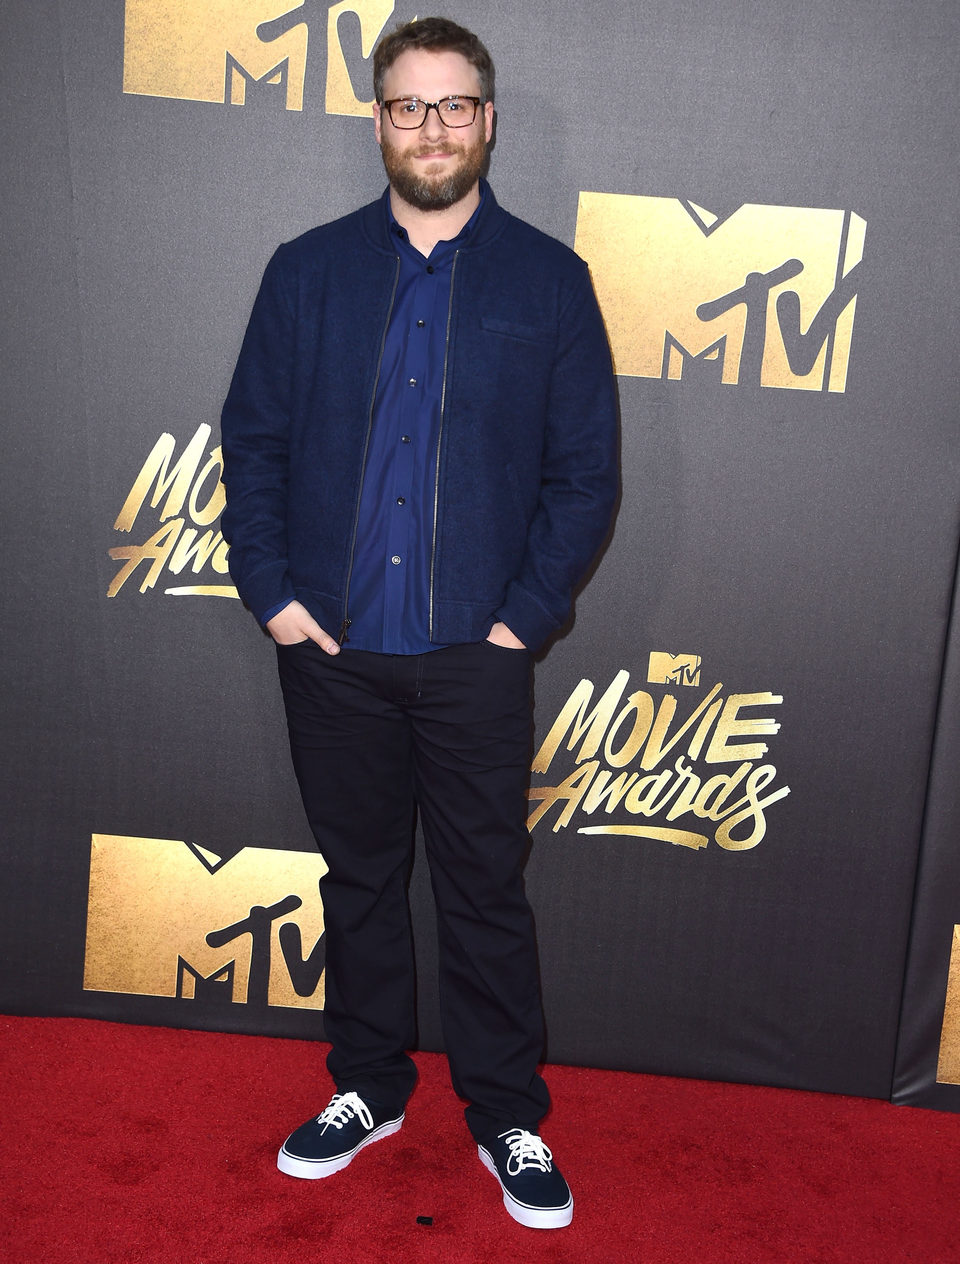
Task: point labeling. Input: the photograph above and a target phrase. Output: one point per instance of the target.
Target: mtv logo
(765, 295)
(166, 918)
(673, 669)
(213, 51)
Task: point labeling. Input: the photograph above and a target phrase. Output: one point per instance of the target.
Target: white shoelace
(526, 1150)
(342, 1108)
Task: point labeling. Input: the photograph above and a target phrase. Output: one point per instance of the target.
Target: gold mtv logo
(765, 295)
(220, 50)
(673, 669)
(167, 918)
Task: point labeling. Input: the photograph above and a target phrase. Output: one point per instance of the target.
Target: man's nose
(433, 125)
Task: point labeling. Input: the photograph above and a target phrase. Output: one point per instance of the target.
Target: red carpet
(128, 1144)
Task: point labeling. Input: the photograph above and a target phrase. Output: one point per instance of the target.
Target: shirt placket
(411, 455)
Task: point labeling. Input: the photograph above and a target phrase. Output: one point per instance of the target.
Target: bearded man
(420, 461)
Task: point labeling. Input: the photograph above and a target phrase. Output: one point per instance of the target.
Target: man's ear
(488, 120)
(376, 121)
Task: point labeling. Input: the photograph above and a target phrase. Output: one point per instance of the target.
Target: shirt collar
(442, 247)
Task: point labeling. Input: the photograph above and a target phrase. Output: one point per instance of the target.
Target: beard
(433, 192)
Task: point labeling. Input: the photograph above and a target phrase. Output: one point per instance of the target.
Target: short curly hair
(438, 35)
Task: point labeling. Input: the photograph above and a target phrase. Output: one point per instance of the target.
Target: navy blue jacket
(527, 467)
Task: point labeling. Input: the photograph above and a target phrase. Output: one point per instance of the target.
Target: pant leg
(351, 753)
(472, 735)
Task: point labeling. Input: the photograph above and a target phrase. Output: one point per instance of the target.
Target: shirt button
(430, 268)
(421, 323)
(413, 381)
(401, 500)
(404, 438)
(395, 559)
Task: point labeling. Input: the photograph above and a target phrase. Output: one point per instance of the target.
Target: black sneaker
(534, 1192)
(327, 1143)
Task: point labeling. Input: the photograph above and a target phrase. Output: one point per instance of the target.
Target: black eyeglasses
(410, 112)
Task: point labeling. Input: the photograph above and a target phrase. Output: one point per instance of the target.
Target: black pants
(371, 735)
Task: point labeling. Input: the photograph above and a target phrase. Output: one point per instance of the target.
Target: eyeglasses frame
(433, 105)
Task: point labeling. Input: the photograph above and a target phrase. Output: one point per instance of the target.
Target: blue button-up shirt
(389, 603)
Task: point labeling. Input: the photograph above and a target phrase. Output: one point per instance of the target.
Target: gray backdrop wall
(744, 800)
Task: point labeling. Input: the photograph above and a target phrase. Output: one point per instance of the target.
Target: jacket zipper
(436, 473)
(345, 625)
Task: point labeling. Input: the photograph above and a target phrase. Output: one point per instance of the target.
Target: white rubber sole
(523, 1213)
(316, 1169)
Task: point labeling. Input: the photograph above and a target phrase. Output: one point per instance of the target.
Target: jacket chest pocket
(517, 361)
(517, 332)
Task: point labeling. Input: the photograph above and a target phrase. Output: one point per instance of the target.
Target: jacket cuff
(266, 591)
(525, 617)
(268, 614)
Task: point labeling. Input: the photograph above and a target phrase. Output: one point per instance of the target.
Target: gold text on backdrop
(636, 732)
(188, 488)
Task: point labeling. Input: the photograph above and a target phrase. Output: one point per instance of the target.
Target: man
(419, 453)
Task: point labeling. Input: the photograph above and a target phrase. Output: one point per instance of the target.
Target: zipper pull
(343, 631)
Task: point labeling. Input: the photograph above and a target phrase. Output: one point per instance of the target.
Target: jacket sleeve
(255, 425)
(579, 473)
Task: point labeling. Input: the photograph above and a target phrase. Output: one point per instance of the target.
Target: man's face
(433, 166)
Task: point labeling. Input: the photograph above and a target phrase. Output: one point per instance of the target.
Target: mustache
(424, 151)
